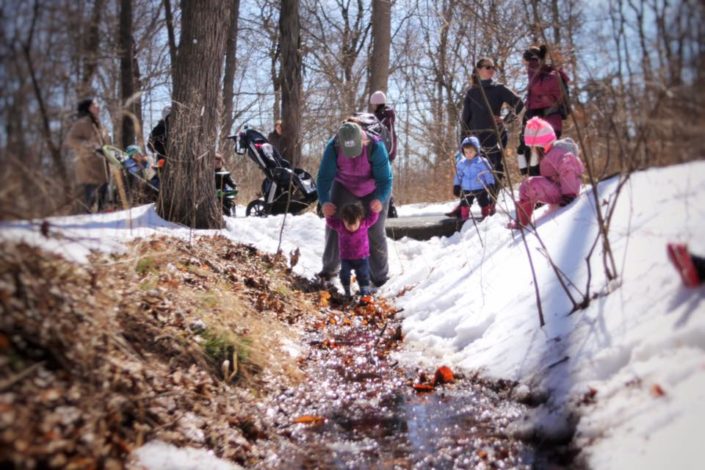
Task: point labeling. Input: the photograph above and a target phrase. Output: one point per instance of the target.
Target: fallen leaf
(443, 375)
(657, 391)
(323, 298)
(423, 388)
(309, 419)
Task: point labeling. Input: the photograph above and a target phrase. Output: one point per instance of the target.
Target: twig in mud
(558, 362)
(10, 381)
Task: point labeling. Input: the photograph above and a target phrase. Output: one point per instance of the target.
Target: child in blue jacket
(473, 179)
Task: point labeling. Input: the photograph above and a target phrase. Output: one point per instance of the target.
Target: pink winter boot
(524, 209)
(680, 257)
(488, 211)
(464, 212)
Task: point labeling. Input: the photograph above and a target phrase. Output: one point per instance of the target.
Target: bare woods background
(637, 70)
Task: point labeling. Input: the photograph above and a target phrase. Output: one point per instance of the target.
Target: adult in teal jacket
(355, 168)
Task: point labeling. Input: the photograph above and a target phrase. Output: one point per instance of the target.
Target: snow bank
(631, 365)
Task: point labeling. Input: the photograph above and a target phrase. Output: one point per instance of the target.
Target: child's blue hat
(133, 150)
(471, 141)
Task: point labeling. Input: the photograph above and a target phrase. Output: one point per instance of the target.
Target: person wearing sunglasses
(547, 98)
(482, 109)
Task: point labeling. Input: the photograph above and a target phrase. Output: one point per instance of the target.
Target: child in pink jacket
(560, 168)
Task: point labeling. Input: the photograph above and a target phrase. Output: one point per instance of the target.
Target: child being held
(353, 244)
(473, 179)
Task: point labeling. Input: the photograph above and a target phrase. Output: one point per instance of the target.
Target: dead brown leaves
(97, 359)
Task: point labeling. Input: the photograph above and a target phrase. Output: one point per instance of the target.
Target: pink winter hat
(538, 133)
(378, 98)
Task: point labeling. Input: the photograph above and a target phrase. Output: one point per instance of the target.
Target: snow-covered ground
(637, 351)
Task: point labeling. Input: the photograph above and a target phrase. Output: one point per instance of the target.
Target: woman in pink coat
(560, 171)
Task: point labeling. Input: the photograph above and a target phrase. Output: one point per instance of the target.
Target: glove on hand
(456, 190)
(566, 199)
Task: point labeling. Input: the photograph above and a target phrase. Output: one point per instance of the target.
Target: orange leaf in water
(443, 375)
(323, 298)
(657, 391)
(423, 388)
(309, 419)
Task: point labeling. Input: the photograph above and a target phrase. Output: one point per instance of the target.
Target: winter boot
(347, 292)
(524, 209)
(488, 211)
(455, 212)
(464, 212)
(682, 261)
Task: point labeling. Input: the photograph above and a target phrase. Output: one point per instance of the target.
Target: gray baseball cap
(350, 139)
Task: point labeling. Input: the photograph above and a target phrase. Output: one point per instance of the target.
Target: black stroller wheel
(255, 208)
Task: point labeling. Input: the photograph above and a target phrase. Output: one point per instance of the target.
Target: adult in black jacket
(484, 121)
(159, 137)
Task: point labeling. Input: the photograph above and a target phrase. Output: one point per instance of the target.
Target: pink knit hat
(538, 133)
(378, 98)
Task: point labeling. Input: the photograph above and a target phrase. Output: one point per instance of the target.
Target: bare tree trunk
(229, 75)
(91, 45)
(169, 16)
(557, 23)
(290, 40)
(381, 41)
(187, 194)
(46, 126)
(127, 74)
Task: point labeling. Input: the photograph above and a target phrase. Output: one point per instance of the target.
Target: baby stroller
(284, 189)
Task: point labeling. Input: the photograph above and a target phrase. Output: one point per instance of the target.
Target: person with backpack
(474, 179)
(481, 114)
(387, 116)
(561, 171)
(547, 97)
(355, 168)
(87, 135)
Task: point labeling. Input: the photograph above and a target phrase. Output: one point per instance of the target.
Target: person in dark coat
(481, 115)
(275, 137)
(386, 115)
(546, 98)
(159, 137)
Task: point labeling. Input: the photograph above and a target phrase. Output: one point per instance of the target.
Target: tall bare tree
(130, 109)
(381, 42)
(291, 73)
(229, 74)
(187, 194)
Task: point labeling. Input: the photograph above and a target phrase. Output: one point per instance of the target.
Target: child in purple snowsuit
(353, 244)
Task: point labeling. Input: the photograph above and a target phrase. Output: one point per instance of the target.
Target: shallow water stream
(358, 409)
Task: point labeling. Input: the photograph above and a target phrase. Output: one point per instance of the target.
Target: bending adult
(561, 171)
(91, 171)
(482, 112)
(355, 168)
(546, 98)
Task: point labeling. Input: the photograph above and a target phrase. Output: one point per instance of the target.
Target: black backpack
(373, 127)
